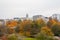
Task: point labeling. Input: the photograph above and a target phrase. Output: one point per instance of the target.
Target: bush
(42, 36)
(12, 37)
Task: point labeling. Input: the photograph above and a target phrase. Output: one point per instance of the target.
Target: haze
(19, 8)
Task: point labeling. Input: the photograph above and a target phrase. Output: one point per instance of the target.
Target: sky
(19, 8)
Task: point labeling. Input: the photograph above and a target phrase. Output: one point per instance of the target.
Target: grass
(29, 39)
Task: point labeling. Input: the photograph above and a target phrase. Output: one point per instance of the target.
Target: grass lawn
(29, 39)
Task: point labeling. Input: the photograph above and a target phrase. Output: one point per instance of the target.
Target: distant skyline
(19, 8)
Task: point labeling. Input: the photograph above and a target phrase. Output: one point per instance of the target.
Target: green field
(29, 39)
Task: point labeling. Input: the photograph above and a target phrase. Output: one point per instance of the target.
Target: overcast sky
(19, 8)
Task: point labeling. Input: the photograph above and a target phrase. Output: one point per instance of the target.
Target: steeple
(27, 16)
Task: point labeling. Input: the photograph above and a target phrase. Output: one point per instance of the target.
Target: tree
(25, 27)
(17, 29)
(11, 23)
(40, 23)
(45, 34)
(34, 29)
(56, 29)
(12, 37)
(42, 36)
(51, 22)
(47, 31)
(1, 33)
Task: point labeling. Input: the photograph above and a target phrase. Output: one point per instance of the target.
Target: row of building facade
(35, 17)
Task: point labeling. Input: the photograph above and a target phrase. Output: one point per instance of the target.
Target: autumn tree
(34, 29)
(17, 29)
(45, 34)
(51, 22)
(11, 23)
(46, 31)
(56, 29)
(25, 27)
(40, 23)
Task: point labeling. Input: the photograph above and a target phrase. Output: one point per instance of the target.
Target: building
(46, 19)
(17, 19)
(35, 17)
(2, 22)
(25, 18)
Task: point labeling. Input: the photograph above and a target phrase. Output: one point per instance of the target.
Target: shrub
(42, 36)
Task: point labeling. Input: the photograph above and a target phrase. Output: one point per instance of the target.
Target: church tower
(27, 15)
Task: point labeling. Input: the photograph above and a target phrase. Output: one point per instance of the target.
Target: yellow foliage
(40, 22)
(51, 23)
(46, 31)
(58, 23)
(27, 34)
(21, 34)
(23, 25)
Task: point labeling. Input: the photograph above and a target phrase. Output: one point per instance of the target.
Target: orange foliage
(11, 23)
(51, 23)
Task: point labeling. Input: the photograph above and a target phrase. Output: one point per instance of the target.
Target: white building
(37, 17)
(46, 19)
